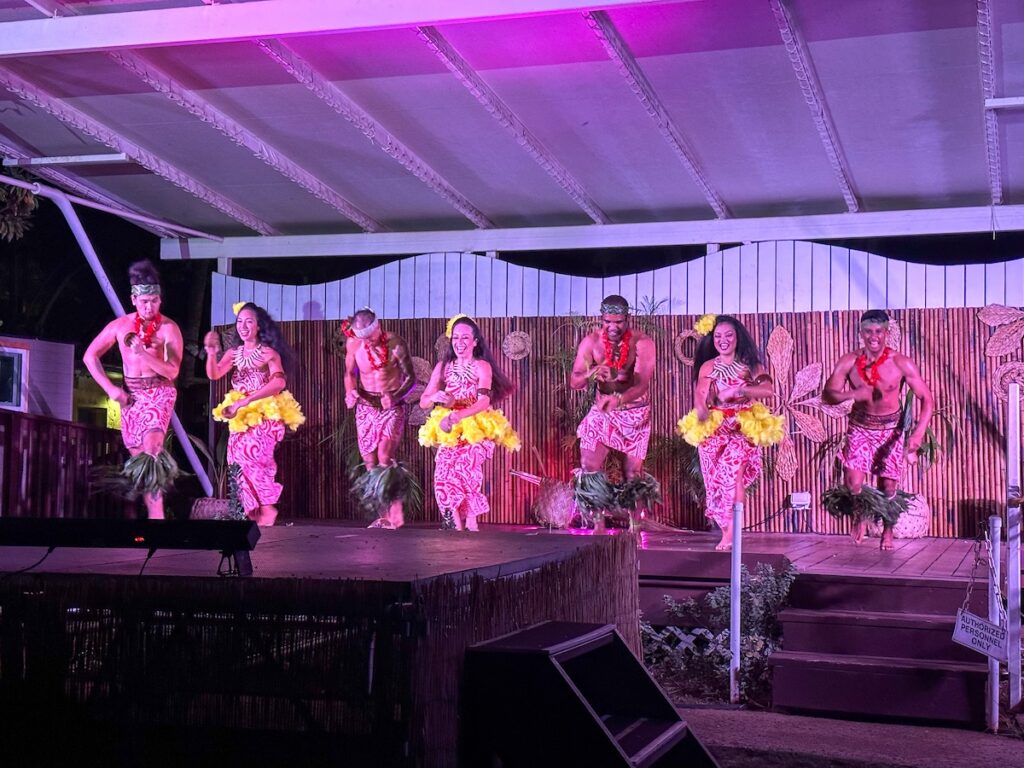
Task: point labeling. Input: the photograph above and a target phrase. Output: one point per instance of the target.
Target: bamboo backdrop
(948, 345)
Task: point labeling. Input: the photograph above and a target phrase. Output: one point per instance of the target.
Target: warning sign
(980, 635)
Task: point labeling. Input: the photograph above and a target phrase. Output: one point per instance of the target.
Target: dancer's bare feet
(396, 514)
(858, 529)
(154, 506)
(726, 543)
(266, 516)
(886, 539)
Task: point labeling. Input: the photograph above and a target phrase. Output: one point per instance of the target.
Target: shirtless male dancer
(873, 378)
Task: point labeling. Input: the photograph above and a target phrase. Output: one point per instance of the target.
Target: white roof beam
(99, 159)
(501, 112)
(75, 185)
(162, 82)
(80, 121)
(1006, 102)
(987, 72)
(333, 96)
(263, 19)
(1009, 218)
(800, 58)
(142, 66)
(629, 68)
(50, 8)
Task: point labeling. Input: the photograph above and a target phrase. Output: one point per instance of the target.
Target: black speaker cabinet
(563, 693)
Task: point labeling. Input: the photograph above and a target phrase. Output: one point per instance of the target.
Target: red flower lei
(346, 328)
(869, 373)
(378, 356)
(146, 332)
(616, 361)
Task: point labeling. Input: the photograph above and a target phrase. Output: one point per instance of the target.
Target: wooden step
(889, 593)
(877, 687)
(872, 633)
(700, 564)
(645, 740)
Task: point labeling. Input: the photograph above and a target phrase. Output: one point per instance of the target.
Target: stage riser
(856, 593)
(881, 691)
(685, 574)
(905, 636)
(652, 598)
(695, 565)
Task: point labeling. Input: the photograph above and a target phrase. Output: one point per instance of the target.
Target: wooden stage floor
(324, 552)
(334, 550)
(927, 558)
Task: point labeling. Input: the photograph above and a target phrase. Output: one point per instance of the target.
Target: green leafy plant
(691, 659)
(16, 208)
(643, 315)
(840, 501)
(376, 488)
(235, 509)
(575, 402)
(932, 450)
(681, 461)
(216, 462)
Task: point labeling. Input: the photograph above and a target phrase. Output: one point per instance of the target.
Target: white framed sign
(980, 635)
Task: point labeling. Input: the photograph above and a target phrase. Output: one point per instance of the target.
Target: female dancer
(257, 408)
(463, 388)
(726, 425)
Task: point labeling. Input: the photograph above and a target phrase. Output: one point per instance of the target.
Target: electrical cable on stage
(49, 552)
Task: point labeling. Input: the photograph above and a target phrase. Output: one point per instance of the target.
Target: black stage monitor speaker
(234, 539)
(607, 710)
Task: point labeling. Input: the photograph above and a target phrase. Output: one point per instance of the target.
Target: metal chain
(983, 544)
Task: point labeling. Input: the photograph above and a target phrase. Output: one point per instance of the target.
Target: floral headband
(614, 309)
(705, 325)
(146, 289)
(451, 323)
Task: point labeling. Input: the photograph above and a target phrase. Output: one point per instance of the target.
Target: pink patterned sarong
(253, 452)
(627, 430)
(459, 478)
(727, 458)
(376, 425)
(874, 444)
(458, 470)
(149, 409)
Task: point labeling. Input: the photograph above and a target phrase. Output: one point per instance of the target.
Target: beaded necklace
(870, 373)
(618, 360)
(251, 359)
(146, 332)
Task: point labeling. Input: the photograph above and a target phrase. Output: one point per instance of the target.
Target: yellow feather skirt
(758, 424)
(279, 407)
(486, 425)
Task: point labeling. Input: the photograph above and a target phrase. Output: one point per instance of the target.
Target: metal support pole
(62, 202)
(995, 525)
(734, 603)
(1013, 522)
(172, 229)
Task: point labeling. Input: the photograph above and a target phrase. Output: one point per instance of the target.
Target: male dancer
(151, 349)
(621, 361)
(378, 376)
(873, 377)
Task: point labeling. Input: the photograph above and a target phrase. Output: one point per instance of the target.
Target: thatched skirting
(286, 671)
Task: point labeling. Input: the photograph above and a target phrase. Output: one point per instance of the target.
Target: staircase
(878, 647)
(563, 693)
